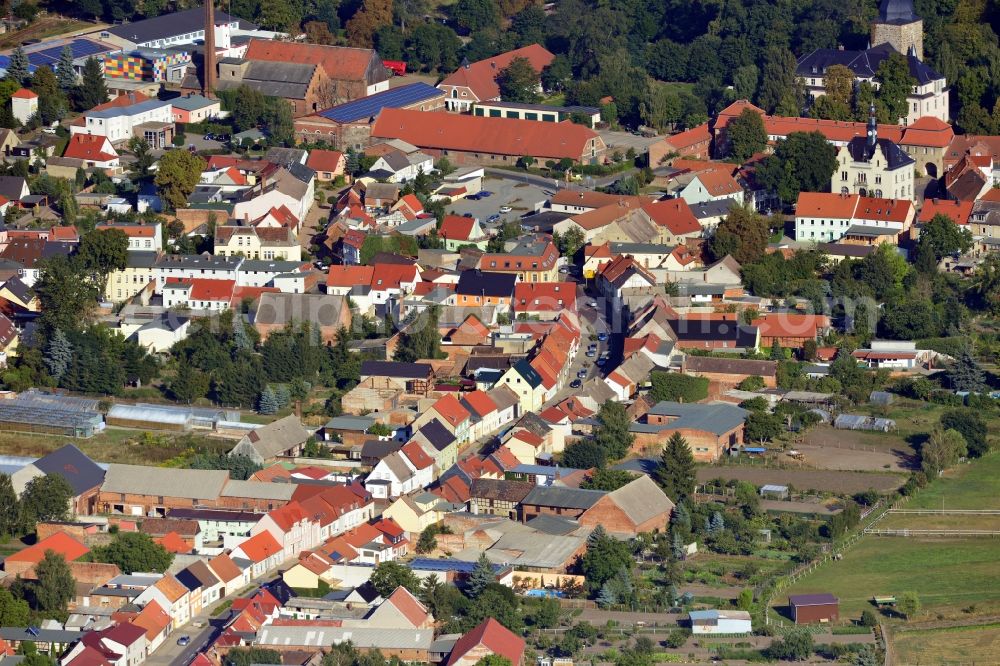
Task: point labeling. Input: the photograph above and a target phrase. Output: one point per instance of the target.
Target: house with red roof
(260, 553)
(199, 294)
(694, 143)
(292, 527)
(790, 329)
(24, 104)
(851, 218)
(233, 578)
(450, 412)
(409, 206)
(172, 596)
(476, 82)
(95, 151)
(328, 164)
(623, 275)
(400, 610)
(958, 212)
(142, 236)
(123, 644)
(335, 509)
(543, 300)
(353, 72)
(59, 543)
(709, 184)
(458, 230)
(636, 220)
(156, 623)
(312, 567)
(401, 472)
(486, 415)
(488, 638)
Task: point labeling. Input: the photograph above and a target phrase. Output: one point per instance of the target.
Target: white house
(400, 167)
(191, 266)
(24, 104)
(393, 476)
(720, 622)
(262, 551)
(262, 272)
(826, 217)
(119, 123)
(141, 237)
(291, 527)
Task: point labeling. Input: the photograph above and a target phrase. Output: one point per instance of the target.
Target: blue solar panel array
(366, 107)
(80, 48)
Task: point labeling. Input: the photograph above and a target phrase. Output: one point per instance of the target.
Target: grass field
(44, 27)
(972, 486)
(115, 445)
(947, 574)
(913, 521)
(954, 645)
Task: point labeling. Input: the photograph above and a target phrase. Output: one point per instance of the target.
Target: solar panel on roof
(371, 105)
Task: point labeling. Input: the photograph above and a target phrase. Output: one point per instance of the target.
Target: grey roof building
(718, 418)
(196, 484)
(283, 437)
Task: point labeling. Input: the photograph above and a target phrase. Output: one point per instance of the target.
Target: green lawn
(118, 445)
(972, 486)
(953, 645)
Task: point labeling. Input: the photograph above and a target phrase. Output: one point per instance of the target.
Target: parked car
(223, 138)
(183, 640)
(591, 353)
(209, 137)
(601, 361)
(505, 209)
(564, 269)
(592, 304)
(493, 218)
(49, 130)
(602, 336)
(576, 383)
(582, 374)
(474, 197)
(485, 193)
(467, 215)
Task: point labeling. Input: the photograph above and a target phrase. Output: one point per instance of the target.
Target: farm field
(805, 479)
(952, 645)
(915, 521)
(46, 26)
(947, 574)
(118, 445)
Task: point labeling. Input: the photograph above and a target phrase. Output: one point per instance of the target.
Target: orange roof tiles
(88, 147)
(545, 296)
(719, 183)
(407, 604)
(339, 62)
(287, 516)
(260, 547)
(224, 568)
(212, 290)
(480, 402)
(59, 543)
(826, 204)
(174, 543)
(417, 456)
(958, 211)
(330, 161)
(480, 76)
(451, 410)
(691, 137)
(493, 636)
(453, 489)
(153, 619)
(24, 93)
(171, 588)
(790, 325)
(497, 136)
(456, 227)
(349, 276)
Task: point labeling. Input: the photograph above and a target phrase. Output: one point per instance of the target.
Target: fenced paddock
(937, 523)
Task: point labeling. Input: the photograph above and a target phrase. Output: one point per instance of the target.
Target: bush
(318, 592)
(676, 638)
(179, 140)
(753, 383)
(677, 387)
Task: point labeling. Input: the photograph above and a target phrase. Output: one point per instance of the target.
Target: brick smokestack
(208, 80)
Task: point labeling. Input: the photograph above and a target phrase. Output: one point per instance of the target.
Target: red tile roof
(339, 62)
(453, 489)
(456, 227)
(718, 183)
(224, 568)
(260, 547)
(789, 325)
(544, 296)
(212, 290)
(451, 410)
(408, 605)
(958, 211)
(480, 76)
(116, 103)
(24, 93)
(392, 276)
(59, 543)
(287, 516)
(480, 402)
(417, 456)
(674, 214)
(826, 204)
(153, 619)
(88, 147)
(349, 276)
(691, 137)
(331, 161)
(497, 136)
(174, 543)
(493, 636)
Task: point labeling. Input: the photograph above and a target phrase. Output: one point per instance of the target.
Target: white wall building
(119, 123)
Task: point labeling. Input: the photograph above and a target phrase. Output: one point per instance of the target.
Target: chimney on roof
(208, 79)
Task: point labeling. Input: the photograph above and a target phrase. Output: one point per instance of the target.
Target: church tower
(899, 26)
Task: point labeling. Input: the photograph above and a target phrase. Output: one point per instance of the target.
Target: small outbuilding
(808, 608)
(773, 491)
(720, 622)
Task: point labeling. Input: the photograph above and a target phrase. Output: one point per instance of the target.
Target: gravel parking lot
(521, 197)
(623, 141)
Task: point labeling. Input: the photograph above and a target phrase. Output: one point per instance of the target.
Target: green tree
(971, 425)
(763, 427)
(519, 82)
(778, 81)
(802, 162)
(144, 159)
(612, 433)
(54, 586)
(427, 542)
(252, 655)
(777, 353)
(743, 234)
(965, 374)
(387, 576)
(63, 296)
(58, 355)
(177, 176)
(476, 15)
(362, 27)
(945, 237)
(101, 253)
(604, 559)
(895, 84)
(93, 90)
(608, 479)
(17, 68)
(941, 450)
(65, 73)
(189, 384)
(908, 604)
(677, 387)
(240, 467)
(796, 645)
(134, 551)
(584, 454)
(46, 498)
(9, 511)
(557, 75)
(14, 612)
(482, 575)
(493, 660)
(675, 472)
(569, 243)
(746, 135)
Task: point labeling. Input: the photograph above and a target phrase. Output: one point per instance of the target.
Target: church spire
(872, 129)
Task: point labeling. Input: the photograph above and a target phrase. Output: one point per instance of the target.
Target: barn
(807, 608)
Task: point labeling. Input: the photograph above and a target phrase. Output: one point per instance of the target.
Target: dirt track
(806, 479)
